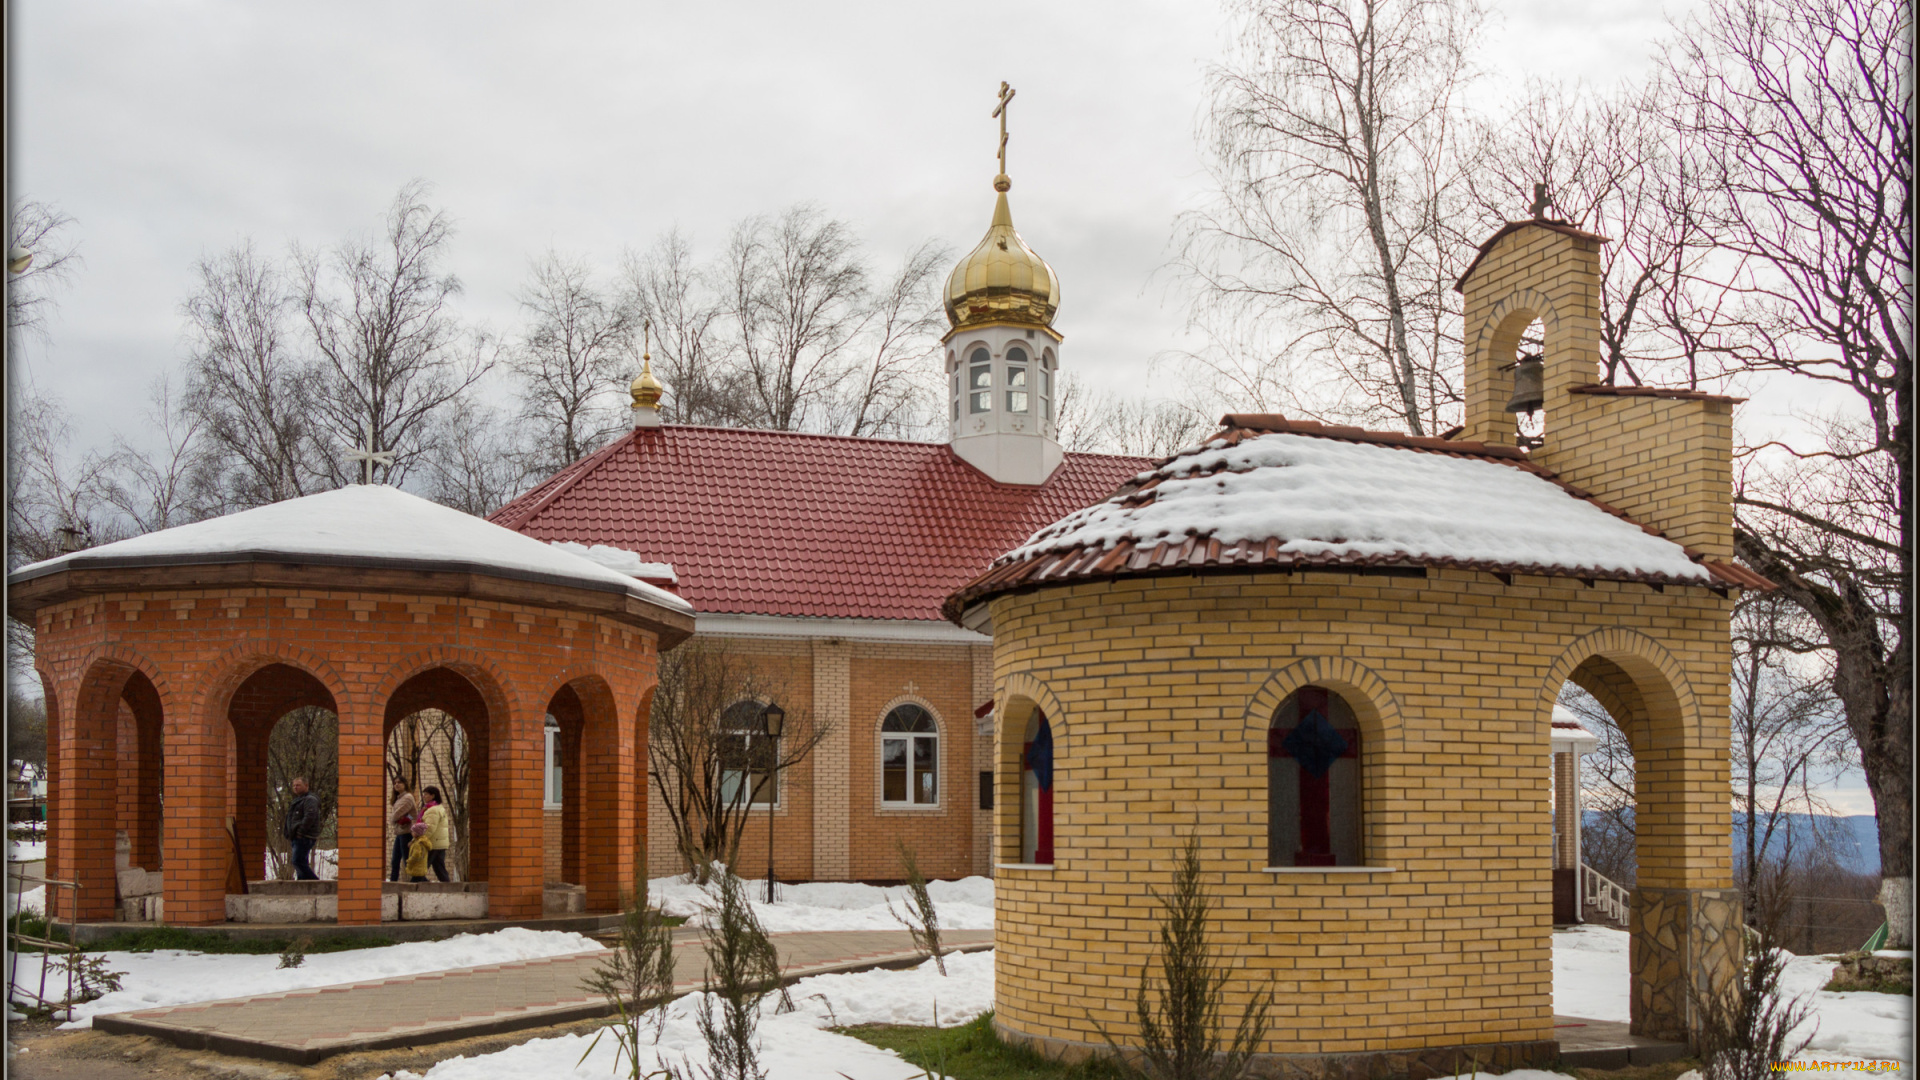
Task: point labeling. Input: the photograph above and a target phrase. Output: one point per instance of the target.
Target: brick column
(832, 776)
(83, 832)
(362, 810)
(194, 887)
(516, 858)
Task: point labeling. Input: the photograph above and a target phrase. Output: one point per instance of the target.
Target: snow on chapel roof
(1270, 492)
(362, 525)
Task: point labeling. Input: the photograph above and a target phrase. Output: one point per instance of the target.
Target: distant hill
(1856, 839)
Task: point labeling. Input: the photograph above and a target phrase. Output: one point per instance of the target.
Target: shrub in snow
(921, 920)
(742, 967)
(1746, 1027)
(639, 970)
(1180, 1023)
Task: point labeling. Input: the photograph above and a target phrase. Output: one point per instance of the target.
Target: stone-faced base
(1415, 1064)
(1686, 944)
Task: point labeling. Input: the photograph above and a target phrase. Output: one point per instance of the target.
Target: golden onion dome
(1002, 280)
(646, 389)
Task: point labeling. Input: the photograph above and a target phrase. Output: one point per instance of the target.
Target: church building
(824, 560)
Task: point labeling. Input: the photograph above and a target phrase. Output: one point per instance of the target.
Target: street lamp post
(775, 718)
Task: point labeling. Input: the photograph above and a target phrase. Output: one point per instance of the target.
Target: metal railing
(66, 954)
(1611, 899)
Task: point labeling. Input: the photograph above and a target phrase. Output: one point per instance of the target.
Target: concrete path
(301, 1027)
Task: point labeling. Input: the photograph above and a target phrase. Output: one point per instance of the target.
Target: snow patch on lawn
(175, 977)
(27, 850)
(795, 1046)
(1591, 980)
(966, 904)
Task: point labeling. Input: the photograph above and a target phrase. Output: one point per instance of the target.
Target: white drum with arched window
(1313, 781)
(909, 758)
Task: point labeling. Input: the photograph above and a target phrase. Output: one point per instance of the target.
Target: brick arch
(1018, 696)
(591, 763)
(118, 653)
(234, 666)
(495, 687)
(84, 748)
(1636, 679)
(1373, 703)
(1382, 727)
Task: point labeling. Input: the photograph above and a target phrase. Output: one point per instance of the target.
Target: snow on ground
(1590, 974)
(793, 1047)
(34, 900)
(966, 904)
(1590, 979)
(27, 850)
(174, 977)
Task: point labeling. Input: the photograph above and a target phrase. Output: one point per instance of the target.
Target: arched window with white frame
(746, 756)
(909, 758)
(1313, 781)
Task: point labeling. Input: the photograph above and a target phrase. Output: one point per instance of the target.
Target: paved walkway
(301, 1027)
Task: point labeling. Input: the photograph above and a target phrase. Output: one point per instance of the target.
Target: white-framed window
(1017, 386)
(980, 381)
(746, 756)
(553, 762)
(909, 758)
(1046, 386)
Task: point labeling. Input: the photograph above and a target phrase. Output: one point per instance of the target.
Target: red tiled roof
(773, 523)
(1199, 552)
(1673, 393)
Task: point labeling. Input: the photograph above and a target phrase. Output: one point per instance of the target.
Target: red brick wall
(199, 646)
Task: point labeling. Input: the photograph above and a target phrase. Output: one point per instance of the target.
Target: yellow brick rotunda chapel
(1332, 656)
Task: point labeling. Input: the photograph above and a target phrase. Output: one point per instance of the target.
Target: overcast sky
(171, 130)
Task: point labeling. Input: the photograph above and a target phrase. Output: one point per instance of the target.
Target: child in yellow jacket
(417, 853)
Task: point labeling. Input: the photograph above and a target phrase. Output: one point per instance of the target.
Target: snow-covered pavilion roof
(362, 526)
(1269, 492)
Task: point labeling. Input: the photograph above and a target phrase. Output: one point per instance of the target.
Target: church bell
(1528, 394)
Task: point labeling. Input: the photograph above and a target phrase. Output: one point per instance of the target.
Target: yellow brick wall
(1160, 692)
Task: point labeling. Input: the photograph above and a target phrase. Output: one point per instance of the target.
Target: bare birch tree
(175, 480)
(244, 380)
(1806, 109)
(391, 357)
(904, 324)
(673, 296)
(1339, 149)
(795, 290)
(476, 466)
(569, 361)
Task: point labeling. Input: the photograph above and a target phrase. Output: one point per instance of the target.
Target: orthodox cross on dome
(367, 456)
(1000, 110)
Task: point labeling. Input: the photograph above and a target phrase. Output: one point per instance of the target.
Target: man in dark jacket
(303, 829)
